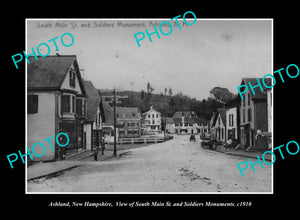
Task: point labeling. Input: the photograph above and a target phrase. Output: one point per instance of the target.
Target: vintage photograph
(136, 106)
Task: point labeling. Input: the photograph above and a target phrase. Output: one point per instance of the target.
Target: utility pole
(115, 133)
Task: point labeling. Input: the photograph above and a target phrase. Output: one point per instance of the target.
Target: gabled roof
(151, 110)
(93, 100)
(91, 91)
(128, 113)
(258, 93)
(48, 73)
(222, 113)
(92, 107)
(108, 113)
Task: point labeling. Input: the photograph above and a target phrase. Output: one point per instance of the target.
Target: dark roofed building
(257, 90)
(56, 102)
(129, 119)
(94, 119)
(189, 123)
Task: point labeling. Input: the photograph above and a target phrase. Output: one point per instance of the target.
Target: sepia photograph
(148, 106)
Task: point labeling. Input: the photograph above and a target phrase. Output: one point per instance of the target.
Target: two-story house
(56, 102)
(152, 120)
(253, 116)
(129, 120)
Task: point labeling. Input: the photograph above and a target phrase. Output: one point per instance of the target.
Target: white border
(131, 19)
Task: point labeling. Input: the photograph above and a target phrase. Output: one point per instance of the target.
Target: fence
(141, 140)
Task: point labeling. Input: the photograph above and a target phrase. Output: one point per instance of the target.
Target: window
(72, 78)
(121, 132)
(84, 106)
(129, 131)
(248, 99)
(65, 103)
(80, 106)
(149, 116)
(249, 114)
(153, 122)
(152, 115)
(244, 115)
(244, 101)
(231, 120)
(156, 115)
(222, 133)
(32, 104)
(73, 104)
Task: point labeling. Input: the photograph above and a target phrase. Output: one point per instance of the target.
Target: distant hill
(165, 104)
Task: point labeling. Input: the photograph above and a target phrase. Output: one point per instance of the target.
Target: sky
(192, 60)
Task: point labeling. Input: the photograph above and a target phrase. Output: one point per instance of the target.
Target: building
(270, 109)
(212, 125)
(220, 125)
(56, 102)
(129, 119)
(253, 115)
(187, 122)
(94, 119)
(108, 122)
(152, 121)
(232, 123)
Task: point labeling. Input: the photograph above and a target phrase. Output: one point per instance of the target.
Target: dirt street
(174, 166)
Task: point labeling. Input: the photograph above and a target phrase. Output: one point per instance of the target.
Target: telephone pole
(115, 133)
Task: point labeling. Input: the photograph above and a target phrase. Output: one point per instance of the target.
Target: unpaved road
(174, 166)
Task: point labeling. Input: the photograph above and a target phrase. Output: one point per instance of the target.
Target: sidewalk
(249, 154)
(43, 169)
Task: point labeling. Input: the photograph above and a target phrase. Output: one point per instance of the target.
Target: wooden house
(56, 102)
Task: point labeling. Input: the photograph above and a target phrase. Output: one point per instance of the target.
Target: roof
(128, 113)
(92, 107)
(222, 113)
(186, 114)
(253, 81)
(93, 100)
(151, 110)
(170, 121)
(108, 113)
(91, 91)
(48, 73)
(177, 120)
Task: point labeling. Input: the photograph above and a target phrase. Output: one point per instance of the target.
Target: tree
(166, 91)
(221, 94)
(142, 95)
(149, 88)
(170, 92)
